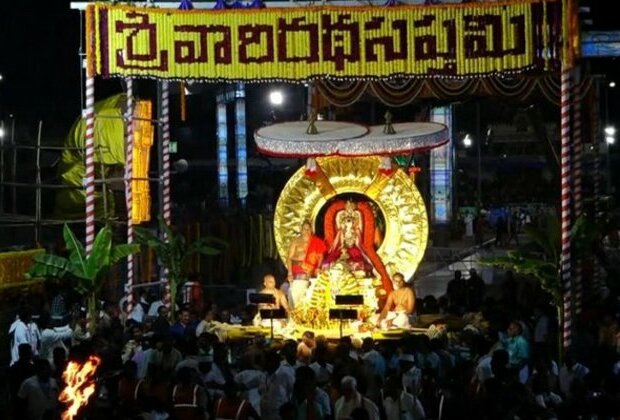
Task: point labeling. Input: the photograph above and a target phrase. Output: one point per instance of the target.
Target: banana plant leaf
(77, 253)
(172, 249)
(207, 246)
(538, 258)
(85, 272)
(120, 252)
(99, 257)
(48, 266)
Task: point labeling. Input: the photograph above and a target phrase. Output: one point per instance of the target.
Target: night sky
(39, 43)
(39, 63)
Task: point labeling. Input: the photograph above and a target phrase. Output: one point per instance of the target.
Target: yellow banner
(142, 142)
(473, 39)
(13, 265)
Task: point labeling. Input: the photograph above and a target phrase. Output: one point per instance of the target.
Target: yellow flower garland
(473, 39)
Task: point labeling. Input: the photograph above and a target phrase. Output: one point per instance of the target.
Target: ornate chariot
(367, 210)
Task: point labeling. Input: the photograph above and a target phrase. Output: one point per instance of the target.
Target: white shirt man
(208, 324)
(542, 329)
(483, 370)
(35, 337)
(412, 375)
(286, 377)
(323, 373)
(40, 394)
(143, 359)
(469, 225)
(376, 361)
(352, 399)
(21, 335)
(273, 396)
(322, 399)
(52, 338)
(251, 380)
(214, 380)
(137, 313)
(152, 312)
(398, 404)
(570, 372)
(405, 407)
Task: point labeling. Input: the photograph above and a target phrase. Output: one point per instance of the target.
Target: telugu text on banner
(474, 39)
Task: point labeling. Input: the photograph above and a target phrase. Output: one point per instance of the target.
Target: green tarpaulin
(109, 151)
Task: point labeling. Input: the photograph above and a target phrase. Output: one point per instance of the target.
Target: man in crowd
(19, 333)
(351, 400)
(18, 372)
(457, 293)
(39, 393)
(518, 350)
(398, 404)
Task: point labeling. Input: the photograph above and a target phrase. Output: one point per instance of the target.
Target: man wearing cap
(411, 374)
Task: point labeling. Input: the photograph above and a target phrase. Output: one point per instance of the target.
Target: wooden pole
(37, 214)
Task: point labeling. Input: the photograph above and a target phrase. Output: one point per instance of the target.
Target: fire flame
(80, 385)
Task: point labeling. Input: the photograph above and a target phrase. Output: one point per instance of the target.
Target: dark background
(39, 45)
(40, 40)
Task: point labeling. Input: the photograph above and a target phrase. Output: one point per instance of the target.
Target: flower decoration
(311, 167)
(386, 166)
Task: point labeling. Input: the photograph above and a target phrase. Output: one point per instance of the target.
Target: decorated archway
(473, 40)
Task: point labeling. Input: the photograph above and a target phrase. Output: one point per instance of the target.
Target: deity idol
(347, 245)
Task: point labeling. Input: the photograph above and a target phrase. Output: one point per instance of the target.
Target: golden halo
(406, 222)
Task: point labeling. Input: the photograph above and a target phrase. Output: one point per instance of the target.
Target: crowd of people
(504, 224)
(501, 364)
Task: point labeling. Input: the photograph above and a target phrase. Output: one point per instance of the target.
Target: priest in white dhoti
(399, 306)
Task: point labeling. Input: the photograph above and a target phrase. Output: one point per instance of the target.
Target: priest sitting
(399, 306)
(280, 302)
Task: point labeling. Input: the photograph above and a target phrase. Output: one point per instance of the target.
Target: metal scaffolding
(15, 186)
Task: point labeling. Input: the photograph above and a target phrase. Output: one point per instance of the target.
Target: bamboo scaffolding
(37, 210)
(37, 221)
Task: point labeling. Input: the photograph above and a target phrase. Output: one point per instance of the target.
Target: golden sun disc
(406, 222)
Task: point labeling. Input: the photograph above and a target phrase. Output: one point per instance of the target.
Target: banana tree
(85, 272)
(173, 251)
(540, 256)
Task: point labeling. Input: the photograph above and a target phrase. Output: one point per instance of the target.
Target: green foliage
(540, 256)
(48, 266)
(84, 272)
(546, 272)
(173, 252)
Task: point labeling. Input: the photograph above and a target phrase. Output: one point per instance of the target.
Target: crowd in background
(500, 363)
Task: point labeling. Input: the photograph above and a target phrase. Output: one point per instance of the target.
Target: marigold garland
(294, 44)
